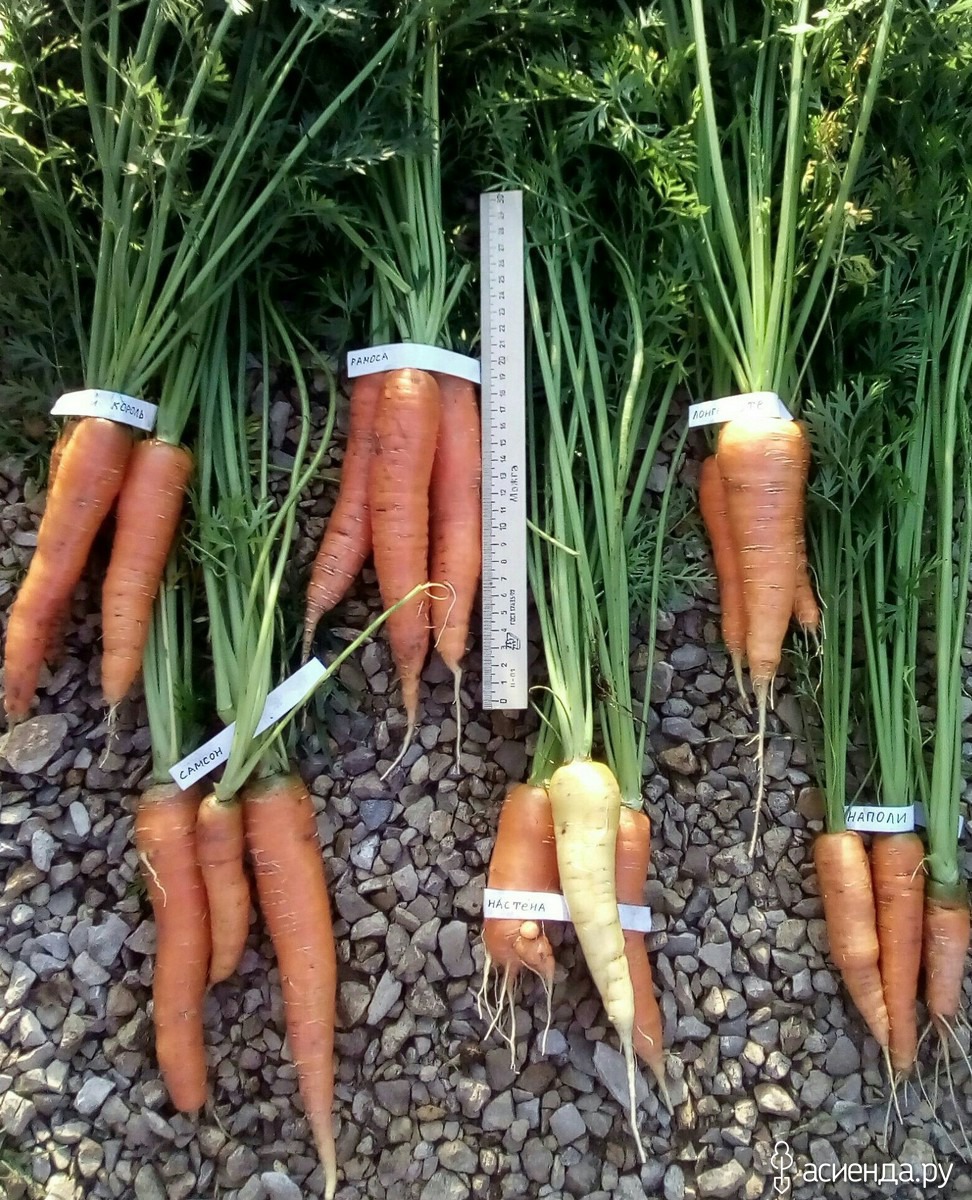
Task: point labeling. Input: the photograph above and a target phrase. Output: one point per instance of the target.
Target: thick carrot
(88, 479)
(406, 427)
(347, 539)
(455, 524)
(899, 894)
(760, 460)
(631, 862)
(945, 945)
(524, 859)
(149, 508)
(586, 804)
(281, 835)
(219, 852)
(714, 509)
(806, 611)
(844, 875)
(165, 824)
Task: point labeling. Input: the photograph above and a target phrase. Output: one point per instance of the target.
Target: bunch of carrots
(410, 489)
(761, 227)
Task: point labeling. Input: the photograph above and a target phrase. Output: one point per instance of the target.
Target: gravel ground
(775, 1083)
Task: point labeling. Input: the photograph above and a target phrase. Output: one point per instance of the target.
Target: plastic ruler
(503, 402)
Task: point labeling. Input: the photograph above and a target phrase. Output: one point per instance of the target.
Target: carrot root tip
(409, 734)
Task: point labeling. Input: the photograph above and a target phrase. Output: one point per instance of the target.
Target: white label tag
(281, 701)
(879, 818)
(729, 408)
(551, 906)
(95, 402)
(922, 822)
(398, 355)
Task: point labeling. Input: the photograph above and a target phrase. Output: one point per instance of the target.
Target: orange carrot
(524, 858)
(88, 479)
(406, 427)
(760, 462)
(281, 834)
(347, 539)
(806, 611)
(455, 524)
(715, 515)
(899, 893)
(944, 947)
(165, 824)
(844, 876)
(149, 507)
(631, 862)
(219, 852)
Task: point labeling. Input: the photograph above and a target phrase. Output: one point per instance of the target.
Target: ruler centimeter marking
(504, 606)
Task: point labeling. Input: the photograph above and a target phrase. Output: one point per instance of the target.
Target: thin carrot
(281, 835)
(406, 427)
(844, 876)
(898, 877)
(149, 507)
(714, 509)
(165, 823)
(455, 524)
(631, 862)
(88, 480)
(945, 945)
(806, 610)
(219, 852)
(524, 859)
(760, 462)
(347, 539)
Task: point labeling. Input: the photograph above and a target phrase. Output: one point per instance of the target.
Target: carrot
(760, 460)
(806, 610)
(586, 804)
(281, 835)
(347, 539)
(899, 891)
(944, 947)
(844, 876)
(88, 479)
(631, 861)
(165, 823)
(455, 524)
(149, 507)
(406, 427)
(714, 509)
(219, 852)
(524, 859)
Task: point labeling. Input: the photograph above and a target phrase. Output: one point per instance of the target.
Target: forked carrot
(220, 852)
(281, 835)
(87, 482)
(631, 862)
(165, 823)
(406, 427)
(524, 859)
(347, 538)
(715, 515)
(899, 892)
(455, 525)
(760, 460)
(149, 508)
(844, 876)
(945, 945)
